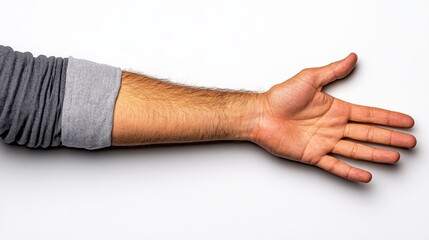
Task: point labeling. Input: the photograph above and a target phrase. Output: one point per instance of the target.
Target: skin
(294, 120)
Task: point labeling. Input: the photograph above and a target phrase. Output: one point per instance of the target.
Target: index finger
(380, 116)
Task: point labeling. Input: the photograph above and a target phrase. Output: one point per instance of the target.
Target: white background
(222, 190)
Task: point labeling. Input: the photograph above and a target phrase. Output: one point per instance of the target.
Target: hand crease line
(315, 132)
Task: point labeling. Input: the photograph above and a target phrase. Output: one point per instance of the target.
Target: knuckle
(347, 131)
(354, 150)
(389, 118)
(306, 73)
(334, 166)
(370, 134)
(391, 137)
(371, 115)
(348, 171)
(372, 155)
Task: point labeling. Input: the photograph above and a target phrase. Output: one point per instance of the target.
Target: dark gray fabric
(31, 98)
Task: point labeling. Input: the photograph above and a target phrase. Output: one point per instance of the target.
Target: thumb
(335, 70)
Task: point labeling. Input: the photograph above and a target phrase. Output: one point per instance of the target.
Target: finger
(343, 170)
(335, 70)
(380, 116)
(368, 133)
(362, 152)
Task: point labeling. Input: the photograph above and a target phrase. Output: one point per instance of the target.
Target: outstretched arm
(294, 119)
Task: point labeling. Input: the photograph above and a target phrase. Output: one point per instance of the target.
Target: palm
(312, 122)
(301, 122)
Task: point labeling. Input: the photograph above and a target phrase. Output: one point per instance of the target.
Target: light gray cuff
(90, 94)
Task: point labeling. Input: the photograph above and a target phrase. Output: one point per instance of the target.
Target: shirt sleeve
(89, 102)
(31, 95)
(53, 101)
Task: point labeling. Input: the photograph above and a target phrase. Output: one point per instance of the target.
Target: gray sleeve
(89, 102)
(31, 95)
(48, 101)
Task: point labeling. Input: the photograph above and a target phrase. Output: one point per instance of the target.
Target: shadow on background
(192, 153)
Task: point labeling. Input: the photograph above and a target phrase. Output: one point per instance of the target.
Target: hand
(301, 122)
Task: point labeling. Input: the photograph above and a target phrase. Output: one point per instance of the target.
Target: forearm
(149, 111)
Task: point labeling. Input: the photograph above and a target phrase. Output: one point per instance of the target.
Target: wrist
(248, 120)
